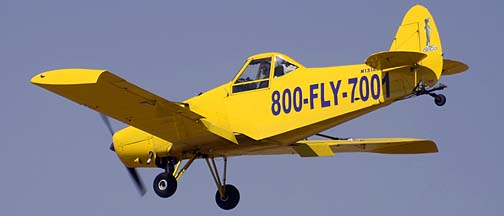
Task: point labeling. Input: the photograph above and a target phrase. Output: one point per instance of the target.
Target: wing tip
(71, 76)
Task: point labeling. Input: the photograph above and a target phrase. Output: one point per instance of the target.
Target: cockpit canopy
(258, 71)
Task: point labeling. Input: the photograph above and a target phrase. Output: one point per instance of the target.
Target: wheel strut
(439, 99)
(421, 89)
(186, 166)
(215, 174)
(165, 183)
(227, 196)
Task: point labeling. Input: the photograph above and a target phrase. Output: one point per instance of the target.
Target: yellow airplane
(270, 107)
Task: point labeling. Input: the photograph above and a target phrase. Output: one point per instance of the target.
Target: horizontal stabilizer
(451, 67)
(391, 59)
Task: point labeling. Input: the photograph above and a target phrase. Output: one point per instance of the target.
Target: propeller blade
(138, 182)
(107, 123)
(132, 171)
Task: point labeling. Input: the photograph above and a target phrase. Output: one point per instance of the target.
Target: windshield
(255, 76)
(283, 67)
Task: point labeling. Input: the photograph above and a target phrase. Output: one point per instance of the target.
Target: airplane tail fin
(418, 33)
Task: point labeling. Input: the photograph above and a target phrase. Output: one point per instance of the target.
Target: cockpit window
(283, 67)
(255, 76)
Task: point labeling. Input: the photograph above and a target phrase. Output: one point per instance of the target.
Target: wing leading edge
(107, 93)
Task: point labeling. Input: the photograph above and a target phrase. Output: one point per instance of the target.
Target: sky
(54, 157)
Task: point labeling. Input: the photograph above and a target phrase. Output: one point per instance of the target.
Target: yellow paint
(313, 150)
(219, 131)
(268, 113)
(392, 59)
(451, 67)
(418, 33)
(67, 77)
(377, 145)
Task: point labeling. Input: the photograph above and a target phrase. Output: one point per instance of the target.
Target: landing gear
(165, 185)
(227, 196)
(439, 99)
(230, 199)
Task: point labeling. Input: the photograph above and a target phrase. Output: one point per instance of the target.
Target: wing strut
(331, 137)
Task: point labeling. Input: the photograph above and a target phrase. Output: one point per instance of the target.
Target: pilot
(263, 72)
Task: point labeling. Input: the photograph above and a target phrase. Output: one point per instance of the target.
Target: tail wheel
(439, 100)
(165, 185)
(230, 199)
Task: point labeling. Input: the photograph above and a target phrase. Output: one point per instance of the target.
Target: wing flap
(220, 131)
(107, 93)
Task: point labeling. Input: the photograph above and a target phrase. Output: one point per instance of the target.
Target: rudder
(418, 33)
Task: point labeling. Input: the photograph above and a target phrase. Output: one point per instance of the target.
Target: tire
(231, 198)
(440, 100)
(165, 185)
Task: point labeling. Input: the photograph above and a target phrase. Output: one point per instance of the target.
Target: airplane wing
(317, 148)
(107, 93)
(321, 148)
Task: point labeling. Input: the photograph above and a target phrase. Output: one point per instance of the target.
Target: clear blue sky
(54, 156)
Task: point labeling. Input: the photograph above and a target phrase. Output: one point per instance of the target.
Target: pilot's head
(263, 66)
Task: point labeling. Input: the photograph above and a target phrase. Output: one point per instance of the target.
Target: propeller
(138, 181)
(107, 123)
(109, 127)
(132, 171)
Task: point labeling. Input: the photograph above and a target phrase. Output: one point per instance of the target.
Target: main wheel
(165, 185)
(440, 100)
(230, 199)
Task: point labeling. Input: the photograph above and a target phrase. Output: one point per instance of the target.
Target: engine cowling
(136, 148)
